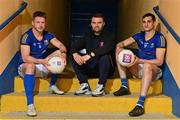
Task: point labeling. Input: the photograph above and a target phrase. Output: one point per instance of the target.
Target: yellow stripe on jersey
(163, 42)
(24, 38)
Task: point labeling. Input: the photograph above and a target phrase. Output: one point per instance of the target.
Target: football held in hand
(126, 58)
(56, 65)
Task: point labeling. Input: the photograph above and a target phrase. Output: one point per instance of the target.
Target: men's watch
(92, 54)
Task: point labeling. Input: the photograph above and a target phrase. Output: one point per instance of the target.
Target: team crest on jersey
(101, 44)
(46, 42)
(145, 45)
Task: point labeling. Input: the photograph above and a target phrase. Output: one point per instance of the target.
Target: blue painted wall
(7, 76)
(171, 89)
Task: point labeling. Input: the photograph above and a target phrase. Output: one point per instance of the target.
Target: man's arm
(160, 54)
(25, 52)
(123, 44)
(76, 46)
(59, 45)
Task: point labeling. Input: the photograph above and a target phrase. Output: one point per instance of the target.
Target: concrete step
(72, 84)
(46, 102)
(85, 115)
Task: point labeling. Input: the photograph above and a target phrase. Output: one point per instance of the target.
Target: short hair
(99, 15)
(150, 15)
(39, 14)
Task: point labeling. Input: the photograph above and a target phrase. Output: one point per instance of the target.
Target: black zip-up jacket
(98, 44)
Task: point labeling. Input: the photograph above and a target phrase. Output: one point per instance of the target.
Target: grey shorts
(41, 71)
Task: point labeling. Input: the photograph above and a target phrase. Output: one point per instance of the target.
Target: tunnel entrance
(82, 10)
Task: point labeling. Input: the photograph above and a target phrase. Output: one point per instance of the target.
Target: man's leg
(149, 73)
(52, 87)
(124, 89)
(54, 77)
(105, 66)
(29, 83)
(80, 73)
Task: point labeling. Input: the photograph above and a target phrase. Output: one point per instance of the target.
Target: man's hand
(78, 58)
(45, 61)
(136, 61)
(86, 58)
(63, 57)
(118, 50)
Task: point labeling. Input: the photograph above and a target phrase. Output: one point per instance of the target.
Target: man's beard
(97, 32)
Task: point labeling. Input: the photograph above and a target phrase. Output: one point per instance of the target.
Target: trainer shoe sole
(84, 93)
(52, 92)
(98, 95)
(31, 115)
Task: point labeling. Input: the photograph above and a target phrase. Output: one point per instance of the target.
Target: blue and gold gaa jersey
(147, 48)
(37, 48)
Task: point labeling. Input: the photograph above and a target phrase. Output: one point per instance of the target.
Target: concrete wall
(130, 14)
(57, 16)
(10, 34)
(169, 11)
(171, 84)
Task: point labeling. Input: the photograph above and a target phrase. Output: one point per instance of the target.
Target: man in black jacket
(97, 60)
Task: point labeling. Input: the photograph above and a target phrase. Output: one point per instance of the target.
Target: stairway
(69, 106)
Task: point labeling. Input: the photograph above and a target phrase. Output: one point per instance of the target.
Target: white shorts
(41, 71)
(140, 72)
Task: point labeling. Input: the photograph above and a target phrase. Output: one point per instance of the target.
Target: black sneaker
(122, 91)
(137, 111)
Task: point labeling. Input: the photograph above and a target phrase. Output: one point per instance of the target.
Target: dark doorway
(82, 10)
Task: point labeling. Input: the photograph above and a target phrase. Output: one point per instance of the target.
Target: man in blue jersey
(33, 60)
(147, 66)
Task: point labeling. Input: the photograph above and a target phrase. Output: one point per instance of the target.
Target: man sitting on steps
(151, 46)
(97, 62)
(33, 60)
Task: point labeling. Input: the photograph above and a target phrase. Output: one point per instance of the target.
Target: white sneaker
(55, 90)
(99, 91)
(31, 111)
(83, 90)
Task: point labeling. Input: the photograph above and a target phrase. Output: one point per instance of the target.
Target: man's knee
(29, 67)
(105, 58)
(147, 67)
